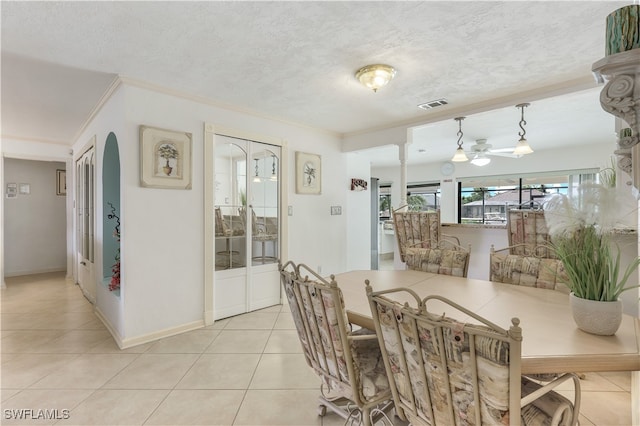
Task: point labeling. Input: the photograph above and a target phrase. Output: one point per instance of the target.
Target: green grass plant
(592, 268)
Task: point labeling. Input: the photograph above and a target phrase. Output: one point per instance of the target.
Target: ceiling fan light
(375, 76)
(480, 160)
(522, 148)
(460, 156)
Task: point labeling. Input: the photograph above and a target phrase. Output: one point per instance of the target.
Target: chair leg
(366, 416)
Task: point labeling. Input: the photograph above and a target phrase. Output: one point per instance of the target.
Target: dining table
(552, 343)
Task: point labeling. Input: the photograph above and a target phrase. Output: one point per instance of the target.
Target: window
(423, 196)
(487, 199)
(384, 202)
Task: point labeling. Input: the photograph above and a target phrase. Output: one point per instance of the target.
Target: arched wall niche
(110, 206)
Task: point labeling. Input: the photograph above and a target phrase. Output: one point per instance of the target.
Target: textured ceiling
(295, 60)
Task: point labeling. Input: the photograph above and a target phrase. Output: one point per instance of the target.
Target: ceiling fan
(481, 150)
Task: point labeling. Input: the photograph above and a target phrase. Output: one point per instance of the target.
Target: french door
(85, 223)
(246, 198)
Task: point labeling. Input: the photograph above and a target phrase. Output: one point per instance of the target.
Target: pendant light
(256, 178)
(274, 177)
(460, 156)
(522, 148)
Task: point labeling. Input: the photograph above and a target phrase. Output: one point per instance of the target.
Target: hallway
(246, 370)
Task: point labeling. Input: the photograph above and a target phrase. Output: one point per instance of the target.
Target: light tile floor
(245, 370)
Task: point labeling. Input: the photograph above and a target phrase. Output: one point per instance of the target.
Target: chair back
(445, 372)
(448, 259)
(257, 229)
(415, 229)
(527, 231)
(531, 269)
(221, 228)
(318, 312)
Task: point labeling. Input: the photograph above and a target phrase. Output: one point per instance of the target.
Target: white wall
(35, 223)
(162, 244)
(110, 118)
(358, 213)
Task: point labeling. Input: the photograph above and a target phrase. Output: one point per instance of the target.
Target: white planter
(595, 317)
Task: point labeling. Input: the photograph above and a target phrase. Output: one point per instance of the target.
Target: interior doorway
(34, 217)
(85, 222)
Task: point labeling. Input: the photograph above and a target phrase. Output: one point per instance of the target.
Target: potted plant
(167, 151)
(581, 227)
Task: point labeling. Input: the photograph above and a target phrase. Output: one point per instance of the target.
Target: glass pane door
(264, 204)
(230, 203)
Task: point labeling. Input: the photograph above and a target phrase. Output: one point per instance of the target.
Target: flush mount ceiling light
(375, 76)
(522, 147)
(459, 156)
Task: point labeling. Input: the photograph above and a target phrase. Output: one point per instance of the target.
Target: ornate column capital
(621, 97)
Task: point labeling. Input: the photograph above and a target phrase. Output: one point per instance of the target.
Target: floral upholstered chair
(349, 363)
(445, 372)
(526, 231)
(416, 229)
(529, 269)
(444, 258)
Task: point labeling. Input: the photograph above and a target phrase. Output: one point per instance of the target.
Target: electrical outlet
(336, 210)
(290, 210)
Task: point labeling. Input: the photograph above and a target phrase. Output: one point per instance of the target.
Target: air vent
(433, 104)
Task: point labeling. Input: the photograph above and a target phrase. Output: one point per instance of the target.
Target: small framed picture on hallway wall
(165, 158)
(61, 182)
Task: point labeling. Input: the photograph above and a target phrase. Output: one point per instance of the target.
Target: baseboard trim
(107, 324)
(34, 272)
(146, 338)
(156, 335)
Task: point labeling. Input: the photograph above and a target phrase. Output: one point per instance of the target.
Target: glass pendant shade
(522, 148)
(460, 156)
(480, 160)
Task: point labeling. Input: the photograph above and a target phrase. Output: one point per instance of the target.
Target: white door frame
(85, 274)
(210, 130)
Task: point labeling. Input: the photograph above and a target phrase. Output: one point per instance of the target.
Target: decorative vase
(623, 30)
(596, 317)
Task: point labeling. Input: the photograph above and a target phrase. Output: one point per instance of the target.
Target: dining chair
(349, 363)
(446, 258)
(416, 228)
(262, 234)
(446, 372)
(531, 268)
(527, 229)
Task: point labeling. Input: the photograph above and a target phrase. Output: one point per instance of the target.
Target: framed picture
(61, 182)
(308, 173)
(165, 158)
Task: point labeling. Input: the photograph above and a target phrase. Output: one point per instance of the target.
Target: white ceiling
(295, 61)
